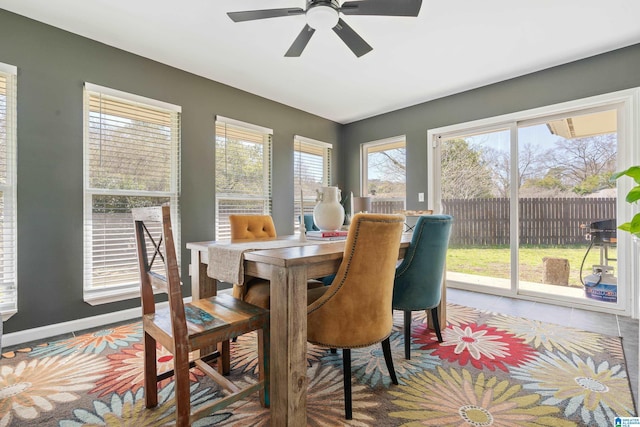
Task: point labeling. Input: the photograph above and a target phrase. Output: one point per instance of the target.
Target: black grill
(603, 231)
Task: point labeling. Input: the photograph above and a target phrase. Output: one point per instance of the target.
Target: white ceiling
(452, 46)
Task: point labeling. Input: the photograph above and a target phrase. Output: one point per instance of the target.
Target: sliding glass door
(474, 179)
(564, 194)
(534, 205)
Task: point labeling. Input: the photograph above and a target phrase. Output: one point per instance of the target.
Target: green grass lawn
(493, 261)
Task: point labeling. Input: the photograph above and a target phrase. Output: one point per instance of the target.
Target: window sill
(106, 297)
(6, 315)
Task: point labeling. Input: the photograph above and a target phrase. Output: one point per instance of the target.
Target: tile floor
(609, 324)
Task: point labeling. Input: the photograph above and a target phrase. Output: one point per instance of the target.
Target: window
(131, 159)
(8, 265)
(384, 174)
(243, 171)
(312, 170)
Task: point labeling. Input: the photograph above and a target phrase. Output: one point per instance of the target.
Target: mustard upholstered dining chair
(256, 227)
(355, 310)
(418, 280)
(252, 227)
(187, 330)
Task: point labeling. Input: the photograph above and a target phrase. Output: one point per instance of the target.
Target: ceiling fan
(325, 14)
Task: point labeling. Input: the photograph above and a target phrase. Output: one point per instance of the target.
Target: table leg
(202, 286)
(289, 379)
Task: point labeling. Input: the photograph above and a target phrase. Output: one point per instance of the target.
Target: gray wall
(52, 67)
(609, 72)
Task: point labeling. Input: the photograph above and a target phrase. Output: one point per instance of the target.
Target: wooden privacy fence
(386, 206)
(552, 221)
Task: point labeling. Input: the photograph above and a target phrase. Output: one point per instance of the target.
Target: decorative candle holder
(303, 227)
(361, 204)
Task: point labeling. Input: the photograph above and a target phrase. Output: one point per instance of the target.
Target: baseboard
(44, 332)
(48, 331)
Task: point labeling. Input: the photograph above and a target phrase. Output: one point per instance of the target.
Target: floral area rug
(491, 370)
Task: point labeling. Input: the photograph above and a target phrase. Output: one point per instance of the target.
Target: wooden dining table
(288, 269)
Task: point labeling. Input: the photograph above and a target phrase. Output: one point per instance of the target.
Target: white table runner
(226, 259)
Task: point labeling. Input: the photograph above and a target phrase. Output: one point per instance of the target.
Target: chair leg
(150, 372)
(182, 390)
(346, 368)
(436, 323)
(224, 360)
(386, 350)
(407, 334)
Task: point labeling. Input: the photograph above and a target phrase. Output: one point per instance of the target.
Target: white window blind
(384, 174)
(312, 170)
(8, 249)
(131, 159)
(243, 171)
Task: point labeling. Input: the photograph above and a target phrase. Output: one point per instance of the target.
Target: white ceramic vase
(328, 214)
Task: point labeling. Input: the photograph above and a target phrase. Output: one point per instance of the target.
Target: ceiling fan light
(322, 17)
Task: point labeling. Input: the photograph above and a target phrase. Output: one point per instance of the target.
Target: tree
(529, 167)
(388, 165)
(239, 167)
(586, 164)
(380, 188)
(127, 154)
(465, 175)
(387, 171)
(308, 172)
(550, 185)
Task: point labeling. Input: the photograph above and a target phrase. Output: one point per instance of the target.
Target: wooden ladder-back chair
(188, 328)
(355, 311)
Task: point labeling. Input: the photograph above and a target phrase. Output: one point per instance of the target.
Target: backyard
(494, 261)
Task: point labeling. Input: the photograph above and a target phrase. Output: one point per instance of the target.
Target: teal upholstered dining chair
(418, 280)
(309, 224)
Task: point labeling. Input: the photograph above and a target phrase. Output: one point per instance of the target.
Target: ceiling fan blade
(300, 42)
(251, 15)
(353, 41)
(382, 7)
